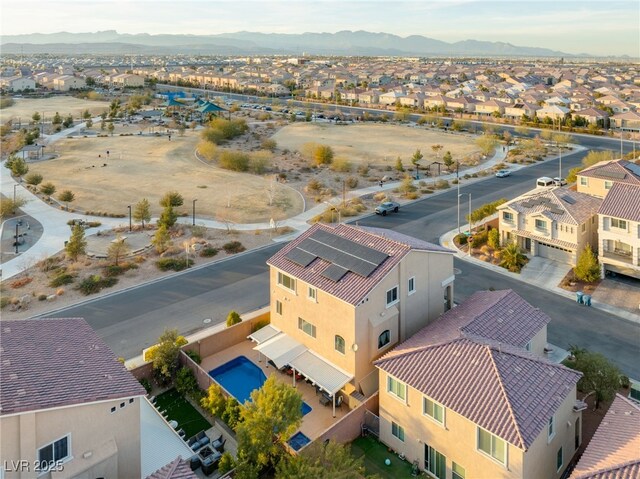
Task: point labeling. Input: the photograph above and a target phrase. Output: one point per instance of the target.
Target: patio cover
(263, 334)
(320, 371)
(281, 349)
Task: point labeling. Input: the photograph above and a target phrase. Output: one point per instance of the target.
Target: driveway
(544, 272)
(621, 292)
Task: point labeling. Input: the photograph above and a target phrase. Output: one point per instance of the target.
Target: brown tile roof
(559, 204)
(608, 170)
(614, 450)
(46, 363)
(351, 288)
(501, 316)
(502, 389)
(622, 201)
(176, 469)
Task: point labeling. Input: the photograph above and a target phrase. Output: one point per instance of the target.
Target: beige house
(554, 223)
(341, 296)
(598, 179)
(68, 407)
(628, 121)
(619, 230)
(68, 82)
(463, 401)
(127, 80)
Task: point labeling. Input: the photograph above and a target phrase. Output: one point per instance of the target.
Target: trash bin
(579, 296)
(586, 299)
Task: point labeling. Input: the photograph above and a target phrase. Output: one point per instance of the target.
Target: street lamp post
(470, 224)
(458, 179)
(129, 206)
(193, 215)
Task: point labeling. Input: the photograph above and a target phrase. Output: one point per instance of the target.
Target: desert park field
(376, 143)
(149, 166)
(24, 108)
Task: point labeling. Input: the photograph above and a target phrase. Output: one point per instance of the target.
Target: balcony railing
(621, 255)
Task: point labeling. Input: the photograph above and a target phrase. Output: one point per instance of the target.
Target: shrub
(173, 264)
(207, 150)
(93, 284)
(493, 238)
(351, 182)
(49, 264)
(33, 179)
(208, 252)
(226, 463)
(442, 185)
(186, 383)
(268, 144)
(116, 270)
(19, 283)
(363, 169)
(486, 210)
(61, 279)
(42, 297)
(146, 384)
(341, 165)
(587, 268)
(233, 247)
(461, 239)
(260, 161)
(234, 160)
(412, 195)
(233, 318)
(314, 185)
(323, 155)
(479, 238)
(195, 357)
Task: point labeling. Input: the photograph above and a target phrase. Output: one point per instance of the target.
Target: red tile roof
(601, 170)
(622, 201)
(352, 288)
(501, 316)
(46, 363)
(176, 469)
(614, 450)
(502, 389)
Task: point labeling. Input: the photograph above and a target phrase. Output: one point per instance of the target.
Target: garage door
(555, 253)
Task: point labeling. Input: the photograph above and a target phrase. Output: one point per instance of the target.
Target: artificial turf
(179, 409)
(375, 453)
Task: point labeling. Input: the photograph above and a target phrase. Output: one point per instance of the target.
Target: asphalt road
(134, 319)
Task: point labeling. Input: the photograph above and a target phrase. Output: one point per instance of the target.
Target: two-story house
(598, 179)
(619, 230)
(68, 408)
(341, 296)
(554, 223)
(464, 399)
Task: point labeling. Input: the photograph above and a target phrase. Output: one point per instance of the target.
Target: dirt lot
(148, 166)
(24, 108)
(376, 143)
(147, 270)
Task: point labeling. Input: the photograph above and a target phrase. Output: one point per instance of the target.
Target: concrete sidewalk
(544, 274)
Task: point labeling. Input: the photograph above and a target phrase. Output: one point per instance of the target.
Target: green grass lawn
(375, 453)
(179, 409)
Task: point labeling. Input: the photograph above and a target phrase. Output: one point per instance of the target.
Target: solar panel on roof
(334, 272)
(335, 256)
(633, 168)
(351, 247)
(568, 199)
(616, 175)
(300, 257)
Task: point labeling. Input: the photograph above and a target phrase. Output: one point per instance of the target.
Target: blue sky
(596, 27)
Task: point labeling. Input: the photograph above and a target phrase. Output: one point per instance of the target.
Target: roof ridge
(553, 192)
(506, 396)
(613, 467)
(418, 349)
(367, 230)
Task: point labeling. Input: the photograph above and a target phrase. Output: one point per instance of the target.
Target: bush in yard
(226, 463)
(116, 270)
(94, 283)
(323, 155)
(233, 247)
(146, 384)
(231, 413)
(173, 264)
(195, 357)
(164, 355)
(186, 383)
(215, 400)
(462, 239)
(341, 165)
(234, 160)
(493, 238)
(352, 182)
(587, 268)
(208, 252)
(61, 279)
(485, 210)
(479, 238)
(233, 318)
(34, 179)
(512, 258)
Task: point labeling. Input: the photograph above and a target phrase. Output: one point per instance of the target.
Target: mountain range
(344, 43)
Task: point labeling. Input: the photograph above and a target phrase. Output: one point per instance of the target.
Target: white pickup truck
(387, 207)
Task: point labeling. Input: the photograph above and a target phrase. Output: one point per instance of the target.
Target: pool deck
(314, 423)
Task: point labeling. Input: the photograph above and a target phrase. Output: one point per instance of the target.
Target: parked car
(559, 181)
(544, 181)
(503, 173)
(387, 207)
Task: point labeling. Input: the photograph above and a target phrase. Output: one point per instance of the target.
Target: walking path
(539, 272)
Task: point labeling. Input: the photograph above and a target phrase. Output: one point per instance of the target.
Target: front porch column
(333, 400)
(294, 377)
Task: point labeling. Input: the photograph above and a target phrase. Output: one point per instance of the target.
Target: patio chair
(194, 462)
(218, 445)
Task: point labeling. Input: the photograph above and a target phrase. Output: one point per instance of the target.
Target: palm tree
(512, 258)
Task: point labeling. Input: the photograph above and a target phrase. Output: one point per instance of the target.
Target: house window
(551, 428)
(584, 227)
(616, 223)
(312, 294)
(434, 410)
(392, 296)
(584, 181)
(339, 344)
(384, 338)
(412, 285)
(278, 307)
(131, 400)
(397, 431)
(457, 471)
(541, 225)
(308, 328)
(286, 281)
(435, 462)
(559, 460)
(507, 216)
(54, 453)
(396, 388)
(528, 346)
(122, 405)
(608, 185)
(113, 409)
(492, 445)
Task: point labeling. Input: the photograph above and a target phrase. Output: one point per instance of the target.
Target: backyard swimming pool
(240, 377)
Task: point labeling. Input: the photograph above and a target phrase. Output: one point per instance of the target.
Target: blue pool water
(298, 441)
(240, 377)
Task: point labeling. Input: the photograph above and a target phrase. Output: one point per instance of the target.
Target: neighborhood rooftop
(622, 171)
(49, 363)
(622, 201)
(346, 261)
(507, 391)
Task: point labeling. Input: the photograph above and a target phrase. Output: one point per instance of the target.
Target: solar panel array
(343, 254)
(635, 169)
(547, 203)
(568, 199)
